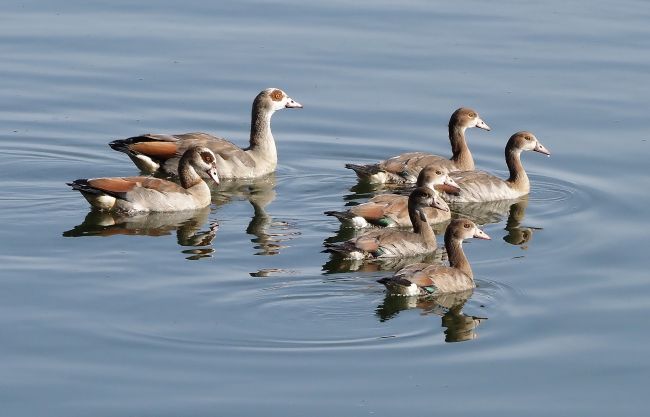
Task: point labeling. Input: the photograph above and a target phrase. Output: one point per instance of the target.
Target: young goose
(405, 167)
(388, 243)
(479, 186)
(427, 279)
(391, 210)
(152, 152)
(138, 194)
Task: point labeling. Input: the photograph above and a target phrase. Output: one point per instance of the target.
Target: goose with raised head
(391, 210)
(404, 168)
(142, 194)
(159, 152)
(427, 279)
(479, 186)
(389, 243)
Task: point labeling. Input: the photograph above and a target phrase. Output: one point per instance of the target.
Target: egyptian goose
(479, 186)
(159, 152)
(391, 210)
(388, 243)
(427, 279)
(405, 167)
(138, 194)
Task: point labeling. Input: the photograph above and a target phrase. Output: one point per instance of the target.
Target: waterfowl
(142, 194)
(479, 186)
(404, 168)
(159, 152)
(387, 243)
(391, 210)
(427, 279)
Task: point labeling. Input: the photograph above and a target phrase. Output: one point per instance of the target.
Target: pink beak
(212, 173)
(482, 125)
(439, 203)
(541, 149)
(292, 104)
(479, 234)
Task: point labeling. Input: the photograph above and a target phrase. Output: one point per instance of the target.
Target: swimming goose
(391, 210)
(387, 243)
(479, 186)
(154, 152)
(427, 279)
(405, 167)
(138, 194)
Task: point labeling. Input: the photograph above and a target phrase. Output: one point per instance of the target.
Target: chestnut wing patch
(420, 279)
(225, 149)
(367, 243)
(369, 211)
(118, 187)
(155, 149)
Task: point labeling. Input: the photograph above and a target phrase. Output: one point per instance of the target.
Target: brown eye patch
(207, 157)
(277, 95)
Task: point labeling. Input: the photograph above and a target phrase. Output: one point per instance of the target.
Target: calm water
(235, 310)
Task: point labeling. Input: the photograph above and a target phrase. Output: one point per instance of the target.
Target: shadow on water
(459, 327)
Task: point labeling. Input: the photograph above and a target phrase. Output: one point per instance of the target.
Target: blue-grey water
(234, 310)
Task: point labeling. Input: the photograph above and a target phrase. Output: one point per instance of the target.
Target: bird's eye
(472, 115)
(277, 95)
(438, 173)
(466, 225)
(528, 138)
(207, 157)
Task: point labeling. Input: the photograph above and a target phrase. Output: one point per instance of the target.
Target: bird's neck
(456, 255)
(422, 227)
(261, 139)
(518, 178)
(461, 155)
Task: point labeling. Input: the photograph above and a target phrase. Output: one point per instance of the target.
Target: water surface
(235, 309)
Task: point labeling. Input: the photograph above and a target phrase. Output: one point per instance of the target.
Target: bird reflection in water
(337, 264)
(495, 212)
(188, 225)
(459, 327)
(269, 234)
(193, 229)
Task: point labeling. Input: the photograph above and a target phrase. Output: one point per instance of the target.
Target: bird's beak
(482, 125)
(292, 104)
(439, 203)
(541, 149)
(212, 173)
(479, 234)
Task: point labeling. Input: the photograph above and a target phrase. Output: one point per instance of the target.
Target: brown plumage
(161, 152)
(386, 243)
(133, 194)
(391, 210)
(427, 279)
(404, 168)
(479, 186)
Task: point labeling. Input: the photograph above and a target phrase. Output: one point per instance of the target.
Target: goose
(479, 186)
(427, 279)
(148, 194)
(391, 210)
(389, 243)
(152, 153)
(405, 167)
